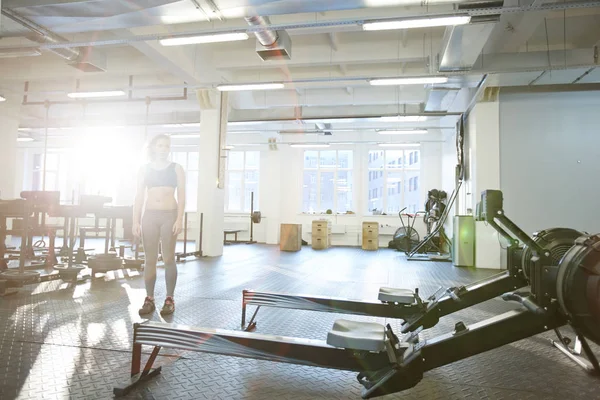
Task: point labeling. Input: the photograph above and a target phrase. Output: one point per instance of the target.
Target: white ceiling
(332, 59)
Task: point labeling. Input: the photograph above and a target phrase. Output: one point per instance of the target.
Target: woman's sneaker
(148, 306)
(168, 307)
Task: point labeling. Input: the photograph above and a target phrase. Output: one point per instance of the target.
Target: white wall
(482, 172)
(549, 159)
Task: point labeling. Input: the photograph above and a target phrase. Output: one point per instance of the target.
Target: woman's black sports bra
(161, 177)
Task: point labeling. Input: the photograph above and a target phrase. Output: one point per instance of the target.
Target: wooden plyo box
(370, 236)
(321, 234)
(290, 237)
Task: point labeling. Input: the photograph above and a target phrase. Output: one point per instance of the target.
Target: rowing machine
(407, 305)
(568, 293)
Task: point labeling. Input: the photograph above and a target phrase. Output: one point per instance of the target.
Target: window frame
(319, 170)
(187, 169)
(243, 171)
(383, 173)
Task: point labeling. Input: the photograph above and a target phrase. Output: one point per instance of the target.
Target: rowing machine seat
(392, 295)
(356, 335)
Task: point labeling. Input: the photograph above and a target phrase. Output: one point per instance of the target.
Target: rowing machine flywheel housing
(578, 286)
(557, 241)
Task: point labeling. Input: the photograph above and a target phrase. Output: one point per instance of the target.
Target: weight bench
(231, 232)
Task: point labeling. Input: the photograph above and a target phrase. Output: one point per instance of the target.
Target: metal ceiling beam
(356, 59)
(333, 41)
(331, 23)
(580, 87)
(171, 63)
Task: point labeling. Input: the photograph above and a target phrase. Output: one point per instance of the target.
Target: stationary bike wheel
(404, 237)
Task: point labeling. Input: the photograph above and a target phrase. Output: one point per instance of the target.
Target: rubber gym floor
(64, 341)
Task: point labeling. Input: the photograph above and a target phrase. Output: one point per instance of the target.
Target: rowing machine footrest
(394, 295)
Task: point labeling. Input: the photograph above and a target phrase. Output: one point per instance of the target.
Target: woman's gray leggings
(157, 225)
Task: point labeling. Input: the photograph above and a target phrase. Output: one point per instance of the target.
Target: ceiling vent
(89, 60)
(271, 45)
(85, 59)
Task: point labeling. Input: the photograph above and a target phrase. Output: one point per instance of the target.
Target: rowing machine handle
(453, 293)
(525, 301)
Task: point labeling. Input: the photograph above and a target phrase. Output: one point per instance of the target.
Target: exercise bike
(406, 237)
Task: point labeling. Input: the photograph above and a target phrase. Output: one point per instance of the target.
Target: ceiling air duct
(85, 60)
(270, 45)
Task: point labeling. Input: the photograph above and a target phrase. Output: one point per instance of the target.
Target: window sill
(351, 215)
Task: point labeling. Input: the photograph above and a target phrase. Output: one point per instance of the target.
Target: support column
(270, 200)
(483, 150)
(9, 127)
(211, 176)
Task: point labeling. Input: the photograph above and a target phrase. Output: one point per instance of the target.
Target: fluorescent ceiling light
(404, 118)
(216, 38)
(87, 95)
(398, 145)
(247, 144)
(24, 139)
(417, 23)
(228, 147)
(427, 80)
(184, 125)
(326, 120)
(16, 52)
(184, 136)
(298, 132)
(2, 98)
(238, 123)
(344, 143)
(402, 132)
(251, 86)
(310, 145)
(25, 129)
(244, 132)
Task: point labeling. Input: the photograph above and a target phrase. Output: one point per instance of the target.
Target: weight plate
(133, 263)
(256, 217)
(105, 256)
(65, 267)
(105, 265)
(16, 276)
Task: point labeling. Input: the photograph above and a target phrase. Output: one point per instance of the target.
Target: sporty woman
(158, 182)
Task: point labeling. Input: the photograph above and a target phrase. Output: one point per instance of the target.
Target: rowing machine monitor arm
(542, 273)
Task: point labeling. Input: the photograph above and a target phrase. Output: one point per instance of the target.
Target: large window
(327, 182)
(189, 161)
(394, 181)
(57, 169)
(242, 180)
